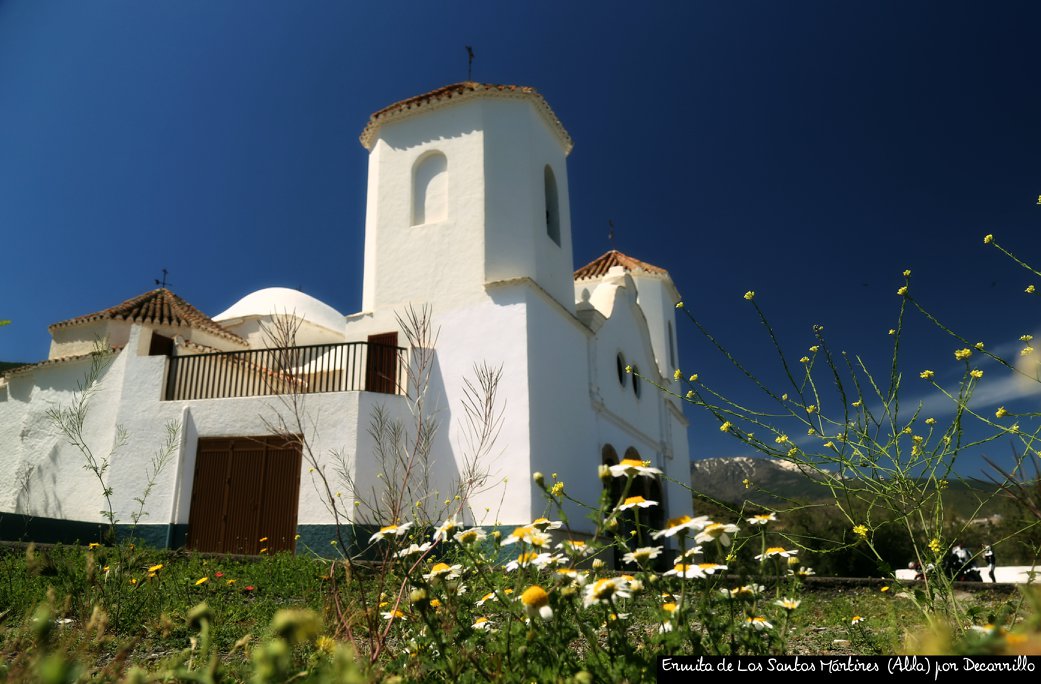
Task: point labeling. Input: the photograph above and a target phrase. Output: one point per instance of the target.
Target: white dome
(278, 300)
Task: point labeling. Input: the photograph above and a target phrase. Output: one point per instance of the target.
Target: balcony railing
(346, 367)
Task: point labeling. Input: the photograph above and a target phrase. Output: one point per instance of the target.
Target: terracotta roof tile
(602, 264)
(456, 92)
(160, 306)
(55, 361)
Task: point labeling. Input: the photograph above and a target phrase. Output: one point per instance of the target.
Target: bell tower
(467, 188)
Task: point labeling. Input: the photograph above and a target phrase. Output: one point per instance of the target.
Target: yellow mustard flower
(804, 359)
(902, 291)
(907, 273)
(892, 331)
(962, 354)
(814, 349)
(1026, 351)
(861, 531)
(693, 378)
(988, 238)
(927, 375)
(930, 421)
(677, 374)
(1030, 289)
(979, 346)
(202, 580)
(976, 373)
(750, 295)
(934, 545)
(812, 408)
(679, 305)
(725, 427)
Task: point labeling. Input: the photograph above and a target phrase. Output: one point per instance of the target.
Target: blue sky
(810, 151)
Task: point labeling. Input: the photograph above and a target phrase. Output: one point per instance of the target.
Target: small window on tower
(430, 189)
(552, 206)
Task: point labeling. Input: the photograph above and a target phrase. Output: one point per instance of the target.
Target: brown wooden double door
(245, 489)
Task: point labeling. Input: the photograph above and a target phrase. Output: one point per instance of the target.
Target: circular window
(620, 363)
(636, 381)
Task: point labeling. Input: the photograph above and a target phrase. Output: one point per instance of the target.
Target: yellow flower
(930, 421)
(747, 483)
(1030, 289)
(690, 394)
(628, 369)
(814, 349)
(1027, 350)
(777, 551)
(676, 375)
(962, 354)
(679, 305)
(636, 502)
(857, 403)
(988, 238)
(926, 375)
(979, 346)
(264, 539)
(93, 545)
(725, 427)
(202, 580)
(892, 331)
(781, 438)
(1001, 412)
(856, 620)
(793, 452)
(750, 295)
(861, 531)
(907, 273)
(812, 408)
(804, 359)
(976, 373)
(934, 545)
(884, 589)
(693, 378)
(536, 602)
(829, 445)
(557, 489)
(902, 291)
(156, 568)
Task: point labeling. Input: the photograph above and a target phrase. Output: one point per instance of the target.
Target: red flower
(248, 587)
(218, 574)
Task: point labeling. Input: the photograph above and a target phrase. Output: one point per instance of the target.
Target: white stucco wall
(444, 261)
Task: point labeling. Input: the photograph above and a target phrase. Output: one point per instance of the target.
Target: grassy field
(109, 614)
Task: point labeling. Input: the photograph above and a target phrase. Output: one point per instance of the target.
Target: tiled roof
(161, 307)
(602, 264)
(55, 361)
(455, 93)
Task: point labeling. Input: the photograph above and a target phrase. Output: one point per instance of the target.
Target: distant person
(990, 560)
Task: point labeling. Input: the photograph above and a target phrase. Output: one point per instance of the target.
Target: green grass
(146, 619)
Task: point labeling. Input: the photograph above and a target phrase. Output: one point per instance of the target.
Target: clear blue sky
(809, 151)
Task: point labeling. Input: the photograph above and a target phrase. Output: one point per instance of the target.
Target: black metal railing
(346, 367)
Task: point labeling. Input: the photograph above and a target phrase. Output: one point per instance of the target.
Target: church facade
(291, 417)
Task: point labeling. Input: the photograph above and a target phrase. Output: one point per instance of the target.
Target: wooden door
(245, 489)
(381, 364)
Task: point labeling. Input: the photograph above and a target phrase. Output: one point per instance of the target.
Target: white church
(467, 216)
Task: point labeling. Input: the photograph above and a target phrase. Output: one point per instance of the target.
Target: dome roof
(278, 300)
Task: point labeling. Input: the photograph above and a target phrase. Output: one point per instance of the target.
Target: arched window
(552, 206)
(430, 189)
(620, 364)
(636, 383)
